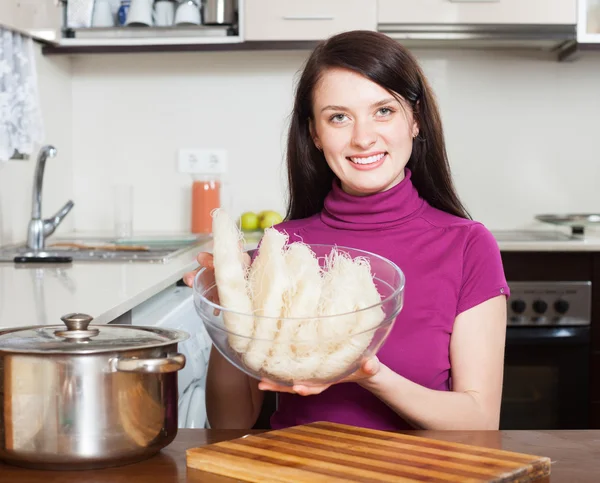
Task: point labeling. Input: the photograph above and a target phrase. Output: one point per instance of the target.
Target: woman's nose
(364, 135)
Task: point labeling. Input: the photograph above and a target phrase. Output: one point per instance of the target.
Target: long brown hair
(387, 63)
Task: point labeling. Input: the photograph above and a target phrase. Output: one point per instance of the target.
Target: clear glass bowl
(309, 351)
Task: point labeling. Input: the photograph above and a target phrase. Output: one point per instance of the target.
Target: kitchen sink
(106, 249)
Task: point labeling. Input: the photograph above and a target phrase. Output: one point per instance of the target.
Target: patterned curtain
(21, 126)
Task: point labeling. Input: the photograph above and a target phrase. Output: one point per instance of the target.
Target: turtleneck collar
(380, 210)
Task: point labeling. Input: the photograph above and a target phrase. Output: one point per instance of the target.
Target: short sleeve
(483, 272)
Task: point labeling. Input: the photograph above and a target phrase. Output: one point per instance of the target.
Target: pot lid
(77, 336)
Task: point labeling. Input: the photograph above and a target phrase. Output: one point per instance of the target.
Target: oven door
(546, 378)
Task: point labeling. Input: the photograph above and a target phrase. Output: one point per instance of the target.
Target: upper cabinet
(588, 25)
(306, 19)
(543, 12)
(41, 19)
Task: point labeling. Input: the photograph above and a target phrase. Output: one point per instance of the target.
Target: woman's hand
(368, 369)
(205, 260)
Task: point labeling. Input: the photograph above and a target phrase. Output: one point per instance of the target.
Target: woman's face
(365, 133)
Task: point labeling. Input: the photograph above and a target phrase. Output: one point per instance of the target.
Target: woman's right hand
(205, 260)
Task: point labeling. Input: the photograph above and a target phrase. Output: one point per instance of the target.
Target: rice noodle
(304, 322)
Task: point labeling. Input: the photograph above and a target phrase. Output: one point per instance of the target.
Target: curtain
(21, 126)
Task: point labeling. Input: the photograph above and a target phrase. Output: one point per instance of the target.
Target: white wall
(522, 130)
(16, 177)
(133, 112)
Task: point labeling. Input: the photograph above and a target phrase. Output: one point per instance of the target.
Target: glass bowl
(308, 351)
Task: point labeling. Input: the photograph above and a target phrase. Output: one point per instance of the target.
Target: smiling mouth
(367, 159)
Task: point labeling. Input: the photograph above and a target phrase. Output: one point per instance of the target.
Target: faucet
(40, 229)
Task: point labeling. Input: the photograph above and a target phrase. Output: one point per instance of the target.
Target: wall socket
(207, 161)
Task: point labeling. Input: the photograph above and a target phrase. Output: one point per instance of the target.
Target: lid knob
(77, 327)
(76, 321)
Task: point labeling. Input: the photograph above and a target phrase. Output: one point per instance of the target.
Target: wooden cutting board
(328, 452)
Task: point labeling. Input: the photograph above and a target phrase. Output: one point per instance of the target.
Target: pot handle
(171, 363)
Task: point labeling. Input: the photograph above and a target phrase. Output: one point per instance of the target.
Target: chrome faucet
(40, 229)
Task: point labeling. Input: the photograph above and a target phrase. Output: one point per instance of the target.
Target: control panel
(549, 303)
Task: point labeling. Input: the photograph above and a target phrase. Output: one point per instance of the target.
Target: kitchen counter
(42, 294)
(546, 241)
(575, 457)
(585, 245)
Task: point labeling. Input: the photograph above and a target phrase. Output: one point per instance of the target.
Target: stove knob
(539, 306)
(518, 306)
(561, 306)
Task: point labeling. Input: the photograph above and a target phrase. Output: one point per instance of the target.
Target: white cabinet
(588, 26)
(306, 19)
(546, 12)
(173, 308)
(39, 18)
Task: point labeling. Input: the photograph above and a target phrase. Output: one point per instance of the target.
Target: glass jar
(206, 197)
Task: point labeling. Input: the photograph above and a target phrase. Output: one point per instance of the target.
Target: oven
(546, 372)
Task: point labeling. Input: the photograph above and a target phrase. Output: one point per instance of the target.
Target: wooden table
(575, 457)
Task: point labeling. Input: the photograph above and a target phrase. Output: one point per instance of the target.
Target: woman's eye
(337, 118)
(386, 111)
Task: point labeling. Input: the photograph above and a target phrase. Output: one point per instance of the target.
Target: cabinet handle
(308, 17)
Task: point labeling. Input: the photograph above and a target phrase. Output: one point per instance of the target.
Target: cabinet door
(41, 19)
(478, 11)
(306, 19)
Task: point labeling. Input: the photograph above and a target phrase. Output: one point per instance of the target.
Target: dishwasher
(173, 308)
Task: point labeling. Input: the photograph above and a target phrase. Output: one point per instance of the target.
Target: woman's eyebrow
(377, 104)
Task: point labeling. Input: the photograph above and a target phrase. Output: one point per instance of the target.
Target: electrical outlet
(208, 161)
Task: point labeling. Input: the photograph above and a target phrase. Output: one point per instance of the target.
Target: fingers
(297, 389)
(205, 260)
(371, 366)
(309, 390)
(188, 278)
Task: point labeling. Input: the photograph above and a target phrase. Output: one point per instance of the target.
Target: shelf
(156, 41)
(200, 34)
(181, 45)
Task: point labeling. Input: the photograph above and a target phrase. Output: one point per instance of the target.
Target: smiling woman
(372, 131)
(366, 143)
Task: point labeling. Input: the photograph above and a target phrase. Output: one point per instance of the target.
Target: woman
(368, 169)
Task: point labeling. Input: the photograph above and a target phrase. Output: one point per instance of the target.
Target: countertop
(575, 457)
(547, 240)
(41, 295)
(586, 245)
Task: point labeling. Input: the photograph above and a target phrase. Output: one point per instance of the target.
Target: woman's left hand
(368, 369)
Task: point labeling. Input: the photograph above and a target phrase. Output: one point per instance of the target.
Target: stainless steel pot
(87, 397)
(219, 12)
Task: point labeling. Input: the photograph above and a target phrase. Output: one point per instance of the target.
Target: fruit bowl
(307, 350)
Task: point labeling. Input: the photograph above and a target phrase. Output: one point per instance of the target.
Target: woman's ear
(415, 124)
(415, 129)
(313, 134)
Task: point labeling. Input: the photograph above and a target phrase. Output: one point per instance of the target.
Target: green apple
(249, 221)
(269, 218)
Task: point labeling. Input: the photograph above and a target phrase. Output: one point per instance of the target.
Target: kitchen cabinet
(588, 23)
(41, 19)
(306, 20)
(543, 12)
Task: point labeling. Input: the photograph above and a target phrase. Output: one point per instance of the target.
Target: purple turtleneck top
(451, 264)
